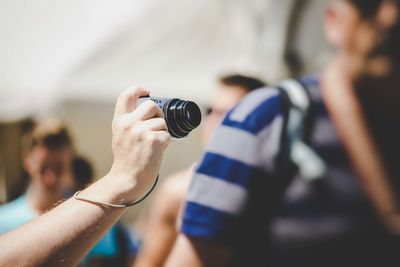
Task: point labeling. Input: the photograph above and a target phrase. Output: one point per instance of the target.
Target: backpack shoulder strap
(310, 165)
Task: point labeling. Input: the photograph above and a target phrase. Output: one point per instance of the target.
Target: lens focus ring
(182, 117)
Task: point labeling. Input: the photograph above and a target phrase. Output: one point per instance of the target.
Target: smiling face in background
(48, 158)
(50, 169)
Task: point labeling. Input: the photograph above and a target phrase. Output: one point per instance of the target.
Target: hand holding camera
(142, 131)
(181, 116)
(139, 139)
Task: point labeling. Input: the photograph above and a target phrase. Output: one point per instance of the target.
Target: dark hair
(82, 171)
(389, 39)
(50, 133)
(367, 8)
(379, 96)
(247, 83)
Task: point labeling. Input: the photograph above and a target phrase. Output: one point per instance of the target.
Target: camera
(181, 116)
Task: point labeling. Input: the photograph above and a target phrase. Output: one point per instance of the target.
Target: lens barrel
(181, 116)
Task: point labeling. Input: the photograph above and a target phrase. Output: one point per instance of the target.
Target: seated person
(161, 228)
(247, 206)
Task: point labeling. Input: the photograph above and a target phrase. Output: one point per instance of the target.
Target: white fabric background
(92, 49)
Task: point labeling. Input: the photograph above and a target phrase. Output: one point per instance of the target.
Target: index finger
(147, 110)
(127, 100)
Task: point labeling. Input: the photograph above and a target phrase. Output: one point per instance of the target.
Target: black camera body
(181, 116)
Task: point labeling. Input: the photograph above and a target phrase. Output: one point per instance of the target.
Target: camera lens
(181, 116)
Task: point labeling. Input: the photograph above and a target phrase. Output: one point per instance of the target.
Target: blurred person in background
(56, 173)
(163, 221)
(83, 172)
(243, 210)
(47, 159)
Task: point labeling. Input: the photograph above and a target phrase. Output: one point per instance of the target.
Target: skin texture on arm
(197, 252)
(161, 231)
(347, 113)
(65, 234)
(60, 237)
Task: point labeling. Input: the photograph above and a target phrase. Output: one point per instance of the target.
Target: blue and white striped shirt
(243, 149)
(236, 198)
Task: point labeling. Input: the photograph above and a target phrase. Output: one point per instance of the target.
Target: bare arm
(196, 252)
(161, 231)
(60, 237)
(349, 119)
(64, 235)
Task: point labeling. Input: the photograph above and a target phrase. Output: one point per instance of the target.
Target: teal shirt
(15, 214)
(18, 212)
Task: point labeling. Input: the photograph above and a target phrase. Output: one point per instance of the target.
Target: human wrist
(112, 189)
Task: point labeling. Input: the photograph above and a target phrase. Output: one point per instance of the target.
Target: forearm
(156, 248)
(161, 229)
(198, 252)
(65, 234)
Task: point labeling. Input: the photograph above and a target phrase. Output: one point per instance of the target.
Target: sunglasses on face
(210, 110)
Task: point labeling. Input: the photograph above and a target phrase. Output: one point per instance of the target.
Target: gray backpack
(309, 165)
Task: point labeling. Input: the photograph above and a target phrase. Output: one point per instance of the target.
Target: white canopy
(52, 51)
